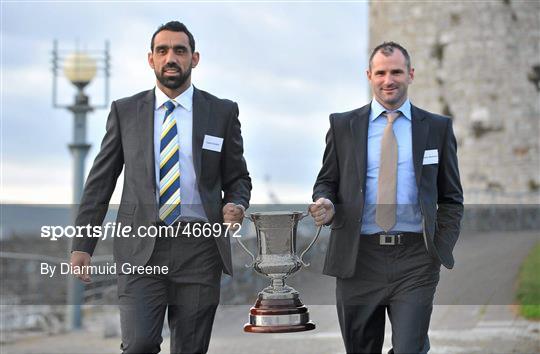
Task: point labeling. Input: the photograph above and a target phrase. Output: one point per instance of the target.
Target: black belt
(393, 239)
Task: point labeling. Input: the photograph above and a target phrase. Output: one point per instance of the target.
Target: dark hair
(387, 48)
(174, 26)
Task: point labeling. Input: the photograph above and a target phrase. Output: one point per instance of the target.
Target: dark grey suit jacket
(342, 179)
(222, 177)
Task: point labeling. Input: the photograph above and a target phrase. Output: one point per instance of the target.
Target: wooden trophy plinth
(276, 315)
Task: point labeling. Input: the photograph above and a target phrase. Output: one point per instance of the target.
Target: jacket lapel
(359, 130)
(145, 118)
(201, 113)
(420, 132)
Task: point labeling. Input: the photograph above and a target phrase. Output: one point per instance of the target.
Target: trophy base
(248, 327)
(278, 316)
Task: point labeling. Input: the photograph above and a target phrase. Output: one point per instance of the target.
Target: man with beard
(182, 153)
(390, 188)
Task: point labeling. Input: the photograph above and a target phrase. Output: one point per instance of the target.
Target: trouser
(189, 292)
(400, 280)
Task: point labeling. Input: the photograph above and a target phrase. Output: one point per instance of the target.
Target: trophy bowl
(278, 308)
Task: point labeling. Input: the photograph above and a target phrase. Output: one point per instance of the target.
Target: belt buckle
(387, 240)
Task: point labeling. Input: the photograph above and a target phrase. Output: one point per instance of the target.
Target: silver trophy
(278, 307)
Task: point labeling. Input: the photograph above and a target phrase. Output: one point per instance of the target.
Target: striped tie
(169, 168)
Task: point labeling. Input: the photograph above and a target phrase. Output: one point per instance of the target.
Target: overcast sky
(288, 65)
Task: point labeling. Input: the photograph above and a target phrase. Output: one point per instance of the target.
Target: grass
(528, 293)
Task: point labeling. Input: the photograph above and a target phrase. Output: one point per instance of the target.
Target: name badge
(431, 157)
(213, 143)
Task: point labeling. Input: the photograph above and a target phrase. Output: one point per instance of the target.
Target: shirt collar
(377, 109)
(185, 99)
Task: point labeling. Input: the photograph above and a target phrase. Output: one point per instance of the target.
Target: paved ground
(473, 312)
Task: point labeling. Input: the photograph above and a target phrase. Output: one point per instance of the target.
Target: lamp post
(80, 68)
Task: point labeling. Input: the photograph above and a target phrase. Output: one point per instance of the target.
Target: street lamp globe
(80, 69)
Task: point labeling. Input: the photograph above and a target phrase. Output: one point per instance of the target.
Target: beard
(173, 82)
(396, 98)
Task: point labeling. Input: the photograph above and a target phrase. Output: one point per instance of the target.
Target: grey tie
(385, 214)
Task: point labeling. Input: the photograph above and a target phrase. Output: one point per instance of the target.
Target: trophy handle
(247, 250)
(309, 247)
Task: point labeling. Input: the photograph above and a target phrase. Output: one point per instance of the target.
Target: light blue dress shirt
(409, 216)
